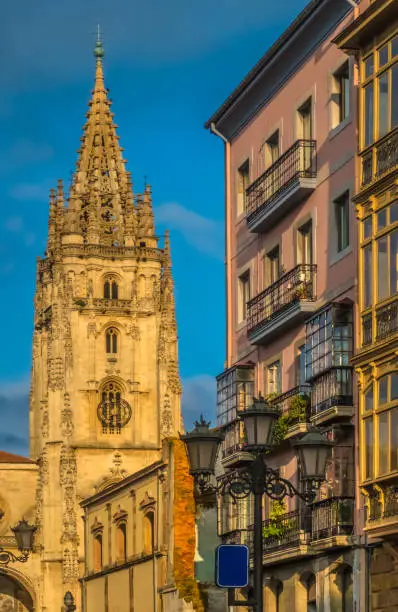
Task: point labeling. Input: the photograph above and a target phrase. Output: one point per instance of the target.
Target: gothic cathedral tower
(105, 376)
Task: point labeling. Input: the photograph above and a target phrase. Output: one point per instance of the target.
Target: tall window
(300, 365)
(305, 120)
(342, 217)
(121, 542)
(111, 340)
(272, 266)
(97, 552)
(304, 243)
(273, 382)
(272, 149)
(243, 295)
(387, 418)
(368, 406)
(387, 264)
(111, 289)
(380, 91)
(341, 95)
(243, 184)
(149, 533)
(367, 276)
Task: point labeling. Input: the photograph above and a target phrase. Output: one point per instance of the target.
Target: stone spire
(167, 285)
(146, 226)
(100, 202)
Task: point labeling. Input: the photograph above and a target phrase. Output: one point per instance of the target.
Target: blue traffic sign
(232, 565)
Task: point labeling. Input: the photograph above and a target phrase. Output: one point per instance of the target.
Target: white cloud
(24, 152)
(204, 234)
(14, 410)
(11, 389)
(30, 191)
(199, 397)
(14, 224)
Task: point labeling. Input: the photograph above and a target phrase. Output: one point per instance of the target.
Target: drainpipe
(227, 175)
(156, 544)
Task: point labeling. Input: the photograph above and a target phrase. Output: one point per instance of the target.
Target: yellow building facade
(104, 402)
(373, 38)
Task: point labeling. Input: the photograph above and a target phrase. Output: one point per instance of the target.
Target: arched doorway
(13, 596)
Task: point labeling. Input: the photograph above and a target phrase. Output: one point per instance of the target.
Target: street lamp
(255, 477)
(24, 534)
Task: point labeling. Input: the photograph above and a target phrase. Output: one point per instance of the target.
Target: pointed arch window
(111, 290)
(113, 411)
(111, 340)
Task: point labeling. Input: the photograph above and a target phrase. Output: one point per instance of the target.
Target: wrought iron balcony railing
(367, 329)
(387, 320)
(297, 162)
(380, 159)
(332, 517)
(383, 508)
(332, 388)
(283, 532)
(386, 323)
(297, 285)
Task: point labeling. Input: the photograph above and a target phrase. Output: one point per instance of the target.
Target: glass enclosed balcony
(283, 185)
(235, 389)
(283, 303)
(329, 348)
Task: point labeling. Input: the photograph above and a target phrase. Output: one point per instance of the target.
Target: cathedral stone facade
(105, 388)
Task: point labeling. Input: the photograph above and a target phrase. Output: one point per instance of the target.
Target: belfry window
(111, 340)
(113, 411)
(111, 290)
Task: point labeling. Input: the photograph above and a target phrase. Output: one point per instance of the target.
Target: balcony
(380, 159)
(332, 522)
(284, 303)
(235, 389)
(332, 398)
(233, 446)
(386, 323)
(286, 183)
(294, 405)
(382, 519)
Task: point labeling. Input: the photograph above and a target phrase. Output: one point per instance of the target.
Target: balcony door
(305, 132)
(304, 244)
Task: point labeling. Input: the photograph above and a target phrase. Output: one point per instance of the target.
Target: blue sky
(168, 65)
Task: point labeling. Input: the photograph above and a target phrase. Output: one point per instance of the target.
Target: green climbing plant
(275, 528)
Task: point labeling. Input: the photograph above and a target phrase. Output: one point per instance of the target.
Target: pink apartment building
(289, 130)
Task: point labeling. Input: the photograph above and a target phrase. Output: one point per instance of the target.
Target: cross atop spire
(99, 50)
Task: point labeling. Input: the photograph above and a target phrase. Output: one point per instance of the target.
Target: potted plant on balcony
(298, 408)
(277, 528)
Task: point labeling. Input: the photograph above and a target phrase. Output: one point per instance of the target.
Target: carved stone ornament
(66, 417)
(166, 419)
(67, 466)
(116, 474)
(45, 422)
(70, 565)
(147, 502)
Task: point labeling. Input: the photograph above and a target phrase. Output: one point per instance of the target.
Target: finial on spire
(99, 50)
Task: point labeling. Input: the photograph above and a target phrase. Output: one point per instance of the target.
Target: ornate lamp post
(24, 534)
(256, 477)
